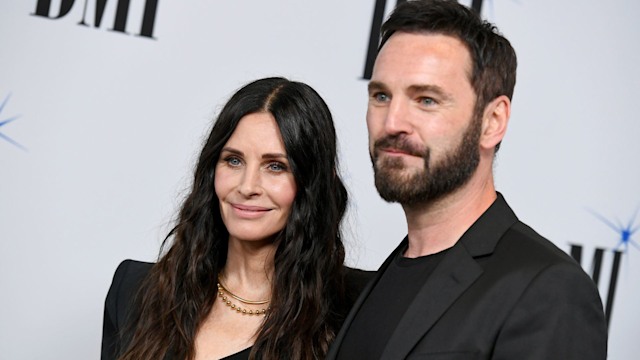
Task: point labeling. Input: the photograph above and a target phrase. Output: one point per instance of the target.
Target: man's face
(423, 133)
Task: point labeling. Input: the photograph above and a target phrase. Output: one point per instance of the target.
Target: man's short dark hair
(493, 59)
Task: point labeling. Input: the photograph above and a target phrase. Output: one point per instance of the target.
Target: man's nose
(397, 121)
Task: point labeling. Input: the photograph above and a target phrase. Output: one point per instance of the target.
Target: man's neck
(438, 225)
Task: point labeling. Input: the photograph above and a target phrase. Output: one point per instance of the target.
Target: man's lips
(398, 146)
(393, 151)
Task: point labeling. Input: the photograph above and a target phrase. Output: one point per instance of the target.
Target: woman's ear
(494, 122)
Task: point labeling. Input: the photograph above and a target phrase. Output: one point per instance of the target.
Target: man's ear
(495, 121)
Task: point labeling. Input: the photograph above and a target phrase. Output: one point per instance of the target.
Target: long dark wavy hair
(307, 300)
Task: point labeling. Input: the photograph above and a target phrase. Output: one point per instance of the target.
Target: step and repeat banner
(104, 105)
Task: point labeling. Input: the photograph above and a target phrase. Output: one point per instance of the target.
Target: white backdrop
(107, 125)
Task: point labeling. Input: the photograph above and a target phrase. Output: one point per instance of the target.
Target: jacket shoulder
(124, 287)
(119, 303)
(523, 258)
(522, 240)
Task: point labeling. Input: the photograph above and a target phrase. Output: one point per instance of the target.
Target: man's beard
(396, 184)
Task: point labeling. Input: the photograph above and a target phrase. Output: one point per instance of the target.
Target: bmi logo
(122, 8)
(624, 234)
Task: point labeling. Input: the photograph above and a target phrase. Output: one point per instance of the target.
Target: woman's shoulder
(356, 280)
(126, 282)
(129, 275)
(118, 304)
(134, 267)
(358, 277)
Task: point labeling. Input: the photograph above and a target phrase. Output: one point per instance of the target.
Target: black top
(126, 282)
(385, 306)
(242, 355)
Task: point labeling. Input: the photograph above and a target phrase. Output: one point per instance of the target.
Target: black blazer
(126, 282)
(502, 292)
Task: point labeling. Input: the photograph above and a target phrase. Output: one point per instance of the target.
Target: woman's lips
(249, 211)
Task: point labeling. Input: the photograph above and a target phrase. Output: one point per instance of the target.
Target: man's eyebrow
(376, 86)
(416, 89)
(412, 90)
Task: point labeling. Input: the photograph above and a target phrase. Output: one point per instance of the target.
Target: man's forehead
(416, 56)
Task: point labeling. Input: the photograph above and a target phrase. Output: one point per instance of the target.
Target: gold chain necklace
(221, 293)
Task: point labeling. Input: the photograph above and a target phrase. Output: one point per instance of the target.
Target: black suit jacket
(502, 292)
(119, 304)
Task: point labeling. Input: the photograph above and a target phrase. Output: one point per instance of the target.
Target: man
(470, 281)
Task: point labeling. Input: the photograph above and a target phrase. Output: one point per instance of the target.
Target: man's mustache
(400, 143)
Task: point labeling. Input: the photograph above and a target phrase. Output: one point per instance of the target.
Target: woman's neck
(249, 268)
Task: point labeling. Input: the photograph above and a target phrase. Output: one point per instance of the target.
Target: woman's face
(253, 180)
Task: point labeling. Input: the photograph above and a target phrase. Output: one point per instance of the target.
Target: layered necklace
(223, 291)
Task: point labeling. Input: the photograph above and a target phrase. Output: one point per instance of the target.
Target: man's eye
(427, 101)
(381, 97)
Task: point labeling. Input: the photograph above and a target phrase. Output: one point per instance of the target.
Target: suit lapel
(455, 273)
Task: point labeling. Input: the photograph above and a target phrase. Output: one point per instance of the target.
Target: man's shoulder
(522, 239)
(526, 264)
(521, 250)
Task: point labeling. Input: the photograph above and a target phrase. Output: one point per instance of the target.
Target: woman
(254, 266)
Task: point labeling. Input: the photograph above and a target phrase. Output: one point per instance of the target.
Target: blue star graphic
(625, 231)
(5, 122)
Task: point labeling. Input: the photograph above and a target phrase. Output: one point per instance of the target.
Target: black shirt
(381, 312)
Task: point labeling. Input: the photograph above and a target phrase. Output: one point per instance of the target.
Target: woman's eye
(233, 161)
(277, 167)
